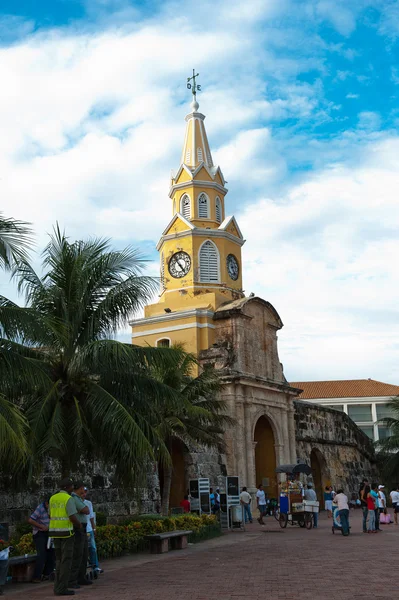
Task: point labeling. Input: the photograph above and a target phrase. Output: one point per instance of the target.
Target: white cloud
(92, 123)
(325, 256)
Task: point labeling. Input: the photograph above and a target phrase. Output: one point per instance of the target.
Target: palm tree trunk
(167, 483)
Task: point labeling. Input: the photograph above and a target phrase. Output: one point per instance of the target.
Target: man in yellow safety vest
(63, 519)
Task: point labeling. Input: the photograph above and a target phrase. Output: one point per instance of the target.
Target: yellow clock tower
(199, 250)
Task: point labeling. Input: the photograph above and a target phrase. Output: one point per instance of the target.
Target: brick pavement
(294, 564)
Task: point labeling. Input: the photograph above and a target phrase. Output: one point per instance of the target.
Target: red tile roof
(348, 388)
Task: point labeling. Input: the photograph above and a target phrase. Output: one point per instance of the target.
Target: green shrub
(129, 536)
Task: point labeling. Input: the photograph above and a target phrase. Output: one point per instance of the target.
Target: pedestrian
(45, 561)
(63, 524)
(216, 506)
(395, 503)
(81, 548)
(328, 498)
(352, 502)
(341, 500)
(381, 506)
(212, 498)
(371, 504)
(185, 504)
(363, 501)
(245, 499)
(310, 494)
(261, 503)
(91, 534)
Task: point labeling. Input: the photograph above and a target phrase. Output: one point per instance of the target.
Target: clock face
(179, 264)
(232, 267)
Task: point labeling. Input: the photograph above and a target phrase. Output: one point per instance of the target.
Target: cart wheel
(283, 520)
(309, 520)
(301, 522)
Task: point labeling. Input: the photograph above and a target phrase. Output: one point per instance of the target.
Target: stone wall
(345, 454)
(114, 500)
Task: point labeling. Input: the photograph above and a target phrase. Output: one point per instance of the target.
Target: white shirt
(245, 497)
(394, 497)
(260, 494)
(382, 501)
(91, 515)
(342, 501)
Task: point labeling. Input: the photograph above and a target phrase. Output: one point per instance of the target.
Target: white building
(364, 400)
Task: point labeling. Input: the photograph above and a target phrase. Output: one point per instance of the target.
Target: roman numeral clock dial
(179, 264)
(232, 267)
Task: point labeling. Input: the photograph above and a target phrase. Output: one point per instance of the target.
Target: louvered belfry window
(203, 206)
(208, 262)
(199, 154)
(185, 207)
(218, 210)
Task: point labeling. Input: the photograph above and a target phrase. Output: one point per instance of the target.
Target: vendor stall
(293, 508)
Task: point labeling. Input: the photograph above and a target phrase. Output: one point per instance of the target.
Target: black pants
(377, 518)
(63, 554)
(80, 556)
(45, 561)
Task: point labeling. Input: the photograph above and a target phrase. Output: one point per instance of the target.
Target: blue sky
(302, 113)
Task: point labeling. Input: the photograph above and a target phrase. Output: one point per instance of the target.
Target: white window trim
(218, 262)
(221, 210)
(207, 205)
(161, 339)
(181, 205)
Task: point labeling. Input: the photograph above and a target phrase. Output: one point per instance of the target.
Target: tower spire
(196, 148)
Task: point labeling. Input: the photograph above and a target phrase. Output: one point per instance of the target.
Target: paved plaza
(262, 563)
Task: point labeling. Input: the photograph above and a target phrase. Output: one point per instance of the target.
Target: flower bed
(128, 538)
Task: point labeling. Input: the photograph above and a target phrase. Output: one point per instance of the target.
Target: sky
(301, 100)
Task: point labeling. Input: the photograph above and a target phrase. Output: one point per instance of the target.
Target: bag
(385, 519)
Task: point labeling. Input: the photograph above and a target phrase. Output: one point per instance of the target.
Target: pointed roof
(196, 148)
(230, 224)
(176, 217)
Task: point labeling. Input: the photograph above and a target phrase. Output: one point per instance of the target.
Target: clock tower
(199, 250)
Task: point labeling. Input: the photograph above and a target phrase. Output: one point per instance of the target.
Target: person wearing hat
(81, 549)
(310, 494)
(62, 526)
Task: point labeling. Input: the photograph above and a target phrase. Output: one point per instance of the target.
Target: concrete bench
(21, 568)
(159, 542)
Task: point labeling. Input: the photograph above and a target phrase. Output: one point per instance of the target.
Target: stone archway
(265, 456)
(318, 466)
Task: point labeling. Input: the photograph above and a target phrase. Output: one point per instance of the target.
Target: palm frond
(16, 239)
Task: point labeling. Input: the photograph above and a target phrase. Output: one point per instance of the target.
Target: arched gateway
(265, 456)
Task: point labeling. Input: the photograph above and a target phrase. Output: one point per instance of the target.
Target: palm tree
(15, 241)
(85, 396)
(388, 448)
(198, 420)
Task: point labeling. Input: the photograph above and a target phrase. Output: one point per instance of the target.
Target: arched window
(209, 262)
(203, 206)
(199, 154)
(164, 343)
(185, 206)
(218, 210)
(162, 273)
(188, 155)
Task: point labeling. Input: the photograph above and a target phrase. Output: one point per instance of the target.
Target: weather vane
(194, 86)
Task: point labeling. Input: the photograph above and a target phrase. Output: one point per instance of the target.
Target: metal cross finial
(194, 86)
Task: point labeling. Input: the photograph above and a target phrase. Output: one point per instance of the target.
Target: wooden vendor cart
(293, 508)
